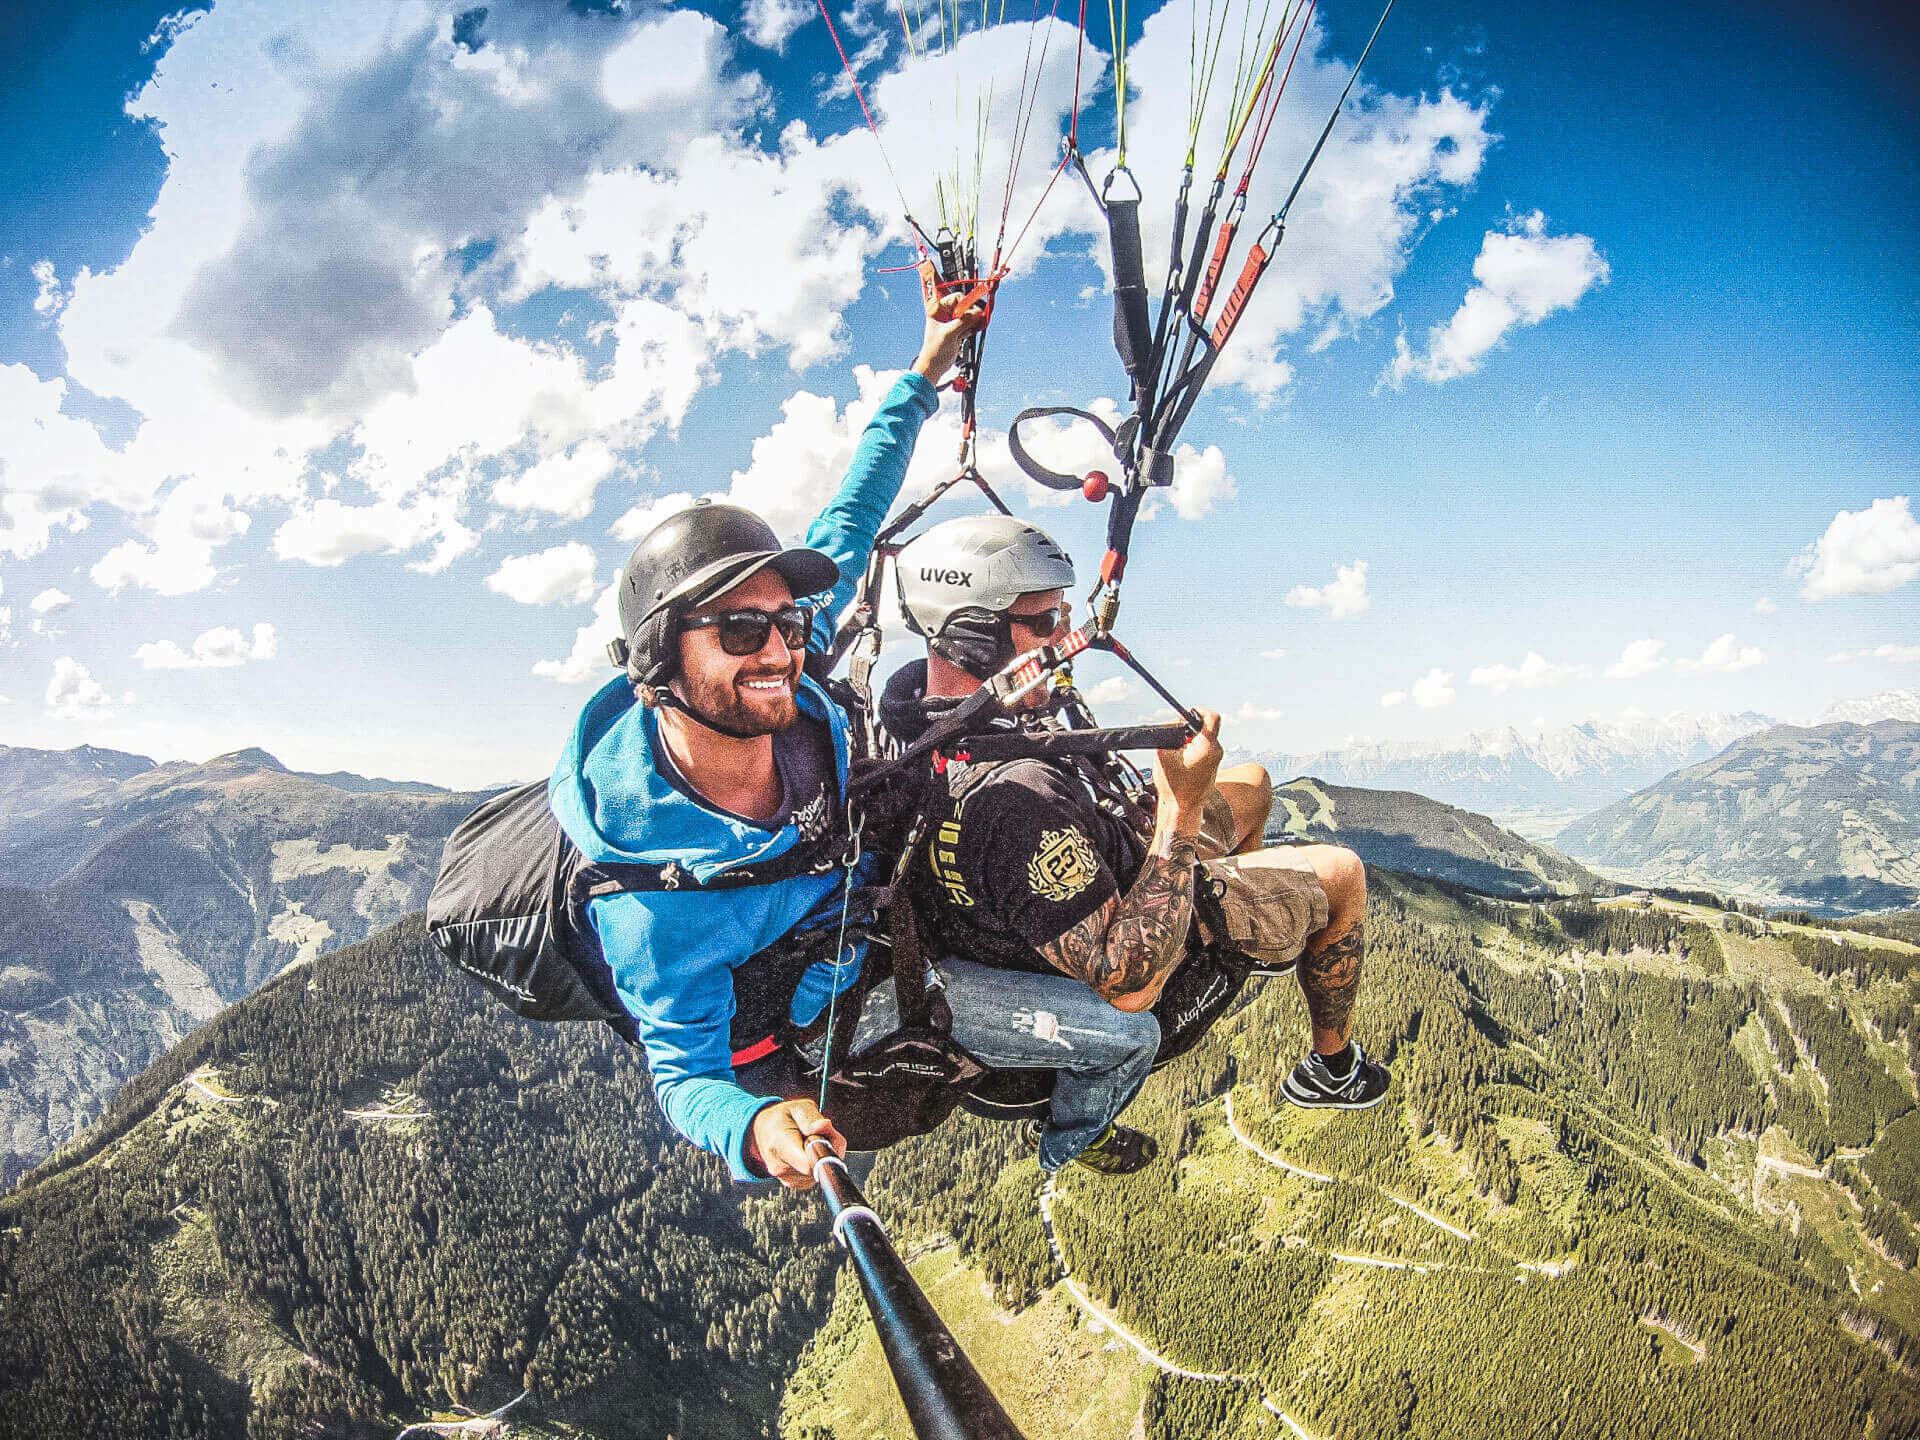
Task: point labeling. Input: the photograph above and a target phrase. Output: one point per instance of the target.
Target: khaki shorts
(1272, 901)
(1216, 826)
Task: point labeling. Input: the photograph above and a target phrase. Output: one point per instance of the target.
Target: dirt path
(1318, 1178)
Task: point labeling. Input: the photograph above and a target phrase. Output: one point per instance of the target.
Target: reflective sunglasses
(745, 632)
(1041, 622)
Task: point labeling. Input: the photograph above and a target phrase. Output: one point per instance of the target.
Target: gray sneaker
(1313, 1085)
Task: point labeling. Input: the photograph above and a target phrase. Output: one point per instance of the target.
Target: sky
(346, 349)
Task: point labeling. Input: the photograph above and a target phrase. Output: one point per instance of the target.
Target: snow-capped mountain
(1508, 772)
(1866, 709)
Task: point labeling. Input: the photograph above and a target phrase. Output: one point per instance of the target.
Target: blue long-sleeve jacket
(673, 953)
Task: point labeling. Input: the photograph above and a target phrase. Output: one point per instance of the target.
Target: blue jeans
(1011, 1020)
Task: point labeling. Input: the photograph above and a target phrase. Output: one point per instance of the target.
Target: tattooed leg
(1329, 970)
(1330, 978)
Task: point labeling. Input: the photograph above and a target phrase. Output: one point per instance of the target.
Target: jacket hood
(609, 795)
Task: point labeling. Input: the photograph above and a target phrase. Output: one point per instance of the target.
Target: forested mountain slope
(1640, 1174)
(369, 1192)
(1827, 817)
(1420, 836)
(1584, 1210)
(166, 892)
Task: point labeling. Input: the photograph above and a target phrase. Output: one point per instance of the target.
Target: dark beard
(731, 711)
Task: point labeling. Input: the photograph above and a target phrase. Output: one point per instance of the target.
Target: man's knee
(1343, 876)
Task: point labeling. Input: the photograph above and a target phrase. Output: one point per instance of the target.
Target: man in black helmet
(715, 755)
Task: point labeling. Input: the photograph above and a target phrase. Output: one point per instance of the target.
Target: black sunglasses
(745, 632)
(1041, 622)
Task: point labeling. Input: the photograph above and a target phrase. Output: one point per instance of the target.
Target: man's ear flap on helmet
(979, 641)
(653, 652)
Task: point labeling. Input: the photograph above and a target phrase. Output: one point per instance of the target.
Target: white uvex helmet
(958, 579)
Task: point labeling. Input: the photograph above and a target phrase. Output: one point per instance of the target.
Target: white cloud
(587, 660)
(1640, 657)
(563, 574)
(1897, 654)
(1863, 552)
(328, 533)
(1725, 655)
(1433, 689)
(1533, 673)
(771, 23)
(1273, 654)
(1521, 276)
(562, 484)
(1250, 713)
(51, 299)
(1109, 691)
(1392, 699)
(1345, 595)
(216, 649)
(48, 601)
(1764, 606)
(1389, 161)
(73, 693)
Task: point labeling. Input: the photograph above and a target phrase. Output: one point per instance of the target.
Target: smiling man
(715, 756)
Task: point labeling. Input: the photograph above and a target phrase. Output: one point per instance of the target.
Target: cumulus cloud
(1521, 276)
(1725, 655)
(587, 660)
(562, 484)
(48, 601)
(1392, 699)
(1250, 713)
(1863, 552)
(1273, 654)
(328, 533)
(1345, 595)
(216, 649)
(73, 693)
(1109, 691)
(564, 574)
(1533, 673)
(771, 23)
(1640, 657)
(316, 328)
(1433, 689)
(1764, 606)
(1389, 162)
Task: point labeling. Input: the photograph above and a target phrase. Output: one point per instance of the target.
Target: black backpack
(509, 907)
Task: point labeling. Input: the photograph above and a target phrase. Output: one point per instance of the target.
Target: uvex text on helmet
(689, 558)
(960, 577)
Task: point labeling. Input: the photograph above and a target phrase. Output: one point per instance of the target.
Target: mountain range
(1635, 1176)
(142, 899)
(1532, 782)
(1827, 817)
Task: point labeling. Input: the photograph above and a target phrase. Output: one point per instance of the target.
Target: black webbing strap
(1055, 479)
(1038, 743)
(1132, 326)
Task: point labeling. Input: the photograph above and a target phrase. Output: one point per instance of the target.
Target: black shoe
(1117, 1151)
(1273, 972)
(1312, 1084)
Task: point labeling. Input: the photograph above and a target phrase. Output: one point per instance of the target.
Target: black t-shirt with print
(1024, 854)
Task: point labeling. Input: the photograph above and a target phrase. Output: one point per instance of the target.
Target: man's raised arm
(1128, 948)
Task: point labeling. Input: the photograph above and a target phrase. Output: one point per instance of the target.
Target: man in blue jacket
(715, 751)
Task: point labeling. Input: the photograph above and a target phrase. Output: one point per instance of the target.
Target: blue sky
(1590, 346)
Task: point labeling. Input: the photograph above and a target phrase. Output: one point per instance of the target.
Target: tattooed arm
(1127, 949)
